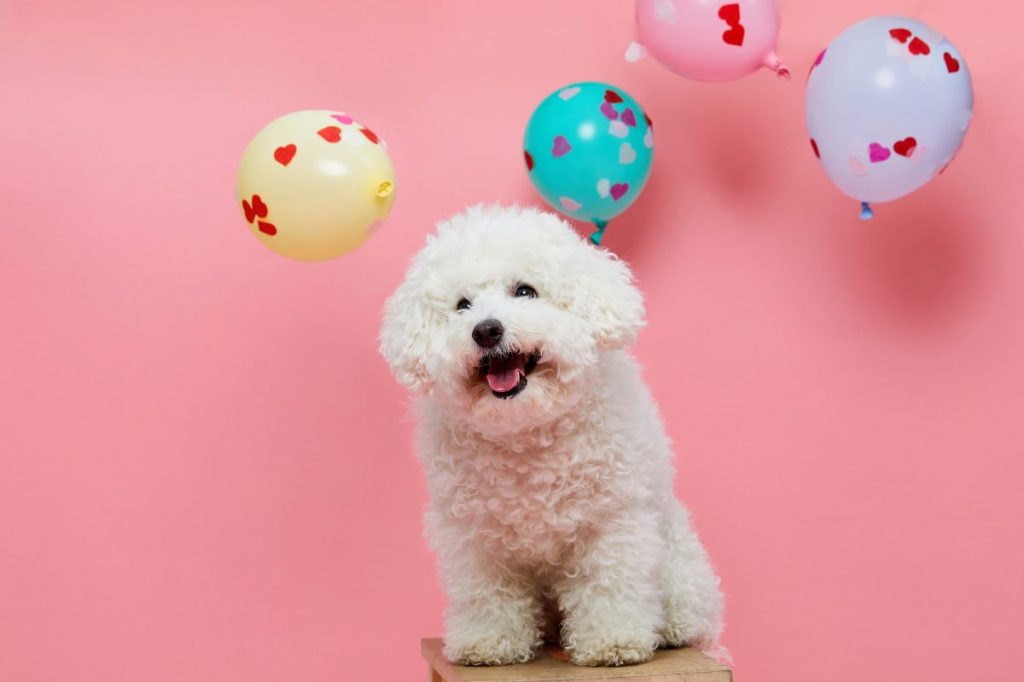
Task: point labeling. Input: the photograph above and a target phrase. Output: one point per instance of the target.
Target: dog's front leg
(610, 596)
(689, 587)
(493, 615)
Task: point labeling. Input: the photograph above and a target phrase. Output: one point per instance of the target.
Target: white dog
(549, 470)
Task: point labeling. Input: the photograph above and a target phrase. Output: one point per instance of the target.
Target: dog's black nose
(487, 334)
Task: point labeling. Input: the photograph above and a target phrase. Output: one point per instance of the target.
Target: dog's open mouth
(506, 373)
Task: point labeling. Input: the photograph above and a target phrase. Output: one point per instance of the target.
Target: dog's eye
(463, 304)
(526, 291)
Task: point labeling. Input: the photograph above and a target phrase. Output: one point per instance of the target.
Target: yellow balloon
(314, 185)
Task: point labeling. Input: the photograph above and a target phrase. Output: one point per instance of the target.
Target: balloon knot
(596, 236)
(385, 188)
(865, 211)
(773, 62)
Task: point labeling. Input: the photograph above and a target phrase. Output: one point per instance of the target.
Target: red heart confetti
(529, 160)
(730, 14)
(618, 189)
(612, 97)
(905, 147)
(900, 34)
(370, 135)
(952, 64)
(918, 46)
(256, 209)
(734, 36)
(267, 228)
(284, 155)
(330, 133)
(814, 146)
(650, 123)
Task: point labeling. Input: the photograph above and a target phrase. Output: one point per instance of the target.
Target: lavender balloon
(888, 105)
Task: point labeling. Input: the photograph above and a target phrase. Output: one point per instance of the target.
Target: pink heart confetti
(877, 153)
(609, 111)
(629, 118)
(561, 147)
(343, 118)
(857, 167)
(817, 61)
(569, 204)
(618, 189)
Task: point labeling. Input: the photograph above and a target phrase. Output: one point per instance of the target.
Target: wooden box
(669, 665)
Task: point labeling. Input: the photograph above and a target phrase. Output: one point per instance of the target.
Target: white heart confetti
(965, 119)
(626, 153)
(920, 66)
(665, 11)
(635, 52)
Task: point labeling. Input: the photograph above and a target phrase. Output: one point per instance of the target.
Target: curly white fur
(555, 504)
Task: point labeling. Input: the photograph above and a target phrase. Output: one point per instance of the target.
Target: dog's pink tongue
(503, 373)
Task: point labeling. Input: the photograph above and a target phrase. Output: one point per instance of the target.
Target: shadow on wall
(918, 262)
(734, 157)
(638, 233)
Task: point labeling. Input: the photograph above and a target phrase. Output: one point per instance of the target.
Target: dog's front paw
(491, 649)
(613, 651)
(700, 633)
(692, 622)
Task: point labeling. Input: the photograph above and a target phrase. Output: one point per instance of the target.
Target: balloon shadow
(739, 159)
(734, 161)
(635, 233)
(917, 262)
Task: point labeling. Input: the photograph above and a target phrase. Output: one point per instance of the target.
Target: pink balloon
(711, 40)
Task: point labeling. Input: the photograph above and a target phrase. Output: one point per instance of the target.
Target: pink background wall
(206, 471)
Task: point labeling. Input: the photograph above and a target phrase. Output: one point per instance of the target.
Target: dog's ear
(606, 297)
(405, 333)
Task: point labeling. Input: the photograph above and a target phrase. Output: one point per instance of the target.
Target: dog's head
(502, 316)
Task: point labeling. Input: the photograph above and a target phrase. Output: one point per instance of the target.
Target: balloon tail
(865, 211)
(596, 237)
(773, 62)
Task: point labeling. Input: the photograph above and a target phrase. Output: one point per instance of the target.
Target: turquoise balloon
(588, 149)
